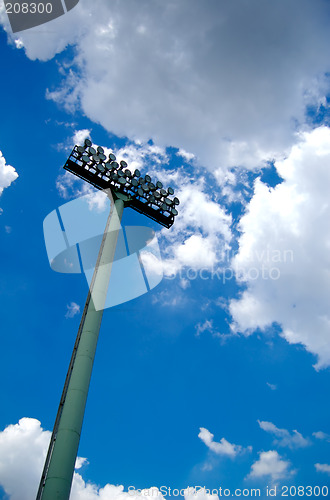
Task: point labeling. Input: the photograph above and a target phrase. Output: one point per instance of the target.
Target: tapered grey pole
(58, 473)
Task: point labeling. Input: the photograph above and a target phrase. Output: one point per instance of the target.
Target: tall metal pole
(58, 472)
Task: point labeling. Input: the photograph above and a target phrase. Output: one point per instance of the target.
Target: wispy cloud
(208, 326)
(323, 468)
(72, 310)
(322, 436)
(285, 438)
(187, 156)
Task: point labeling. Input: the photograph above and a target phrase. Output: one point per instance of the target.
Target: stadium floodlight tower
(125, 189)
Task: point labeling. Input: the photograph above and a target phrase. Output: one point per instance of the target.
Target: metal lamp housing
(144, 196)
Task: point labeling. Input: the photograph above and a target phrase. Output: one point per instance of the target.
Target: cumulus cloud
(89, 491)
(283, 257)
(199, 211)
(80, 136)
(196, 252)
(285, 438)
(80, 461)
(7, 174)
(223, 447)
(72, 310)
(233, 184)
(229, 91)
(23, 449)
(201, 233)
(270, 465)
(323, 468)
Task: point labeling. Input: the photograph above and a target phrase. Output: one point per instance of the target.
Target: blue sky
(235, 116)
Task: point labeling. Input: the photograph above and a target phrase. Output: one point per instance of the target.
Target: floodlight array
(104, 172)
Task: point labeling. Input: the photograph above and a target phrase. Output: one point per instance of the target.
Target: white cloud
(196, 252)
(234, 184)
(80, 136)
(7, 174)
(223, 447)
(227, 92)
(23, 449)
(69, 186)
(199, 211)
(207, 325)
(322, 435)
(72, 310)
(198, 493)
(80, 461)
(89, 491)
(284, 256)
(271, 465)
(97, 201)
(187, 156)
(19, 44)
(202, 229)
(323, 468)
(200, 235)
(285, 438)
(273, 387)
(140, 154)
(184, 283)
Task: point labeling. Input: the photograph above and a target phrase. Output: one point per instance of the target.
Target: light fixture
(89, 163)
